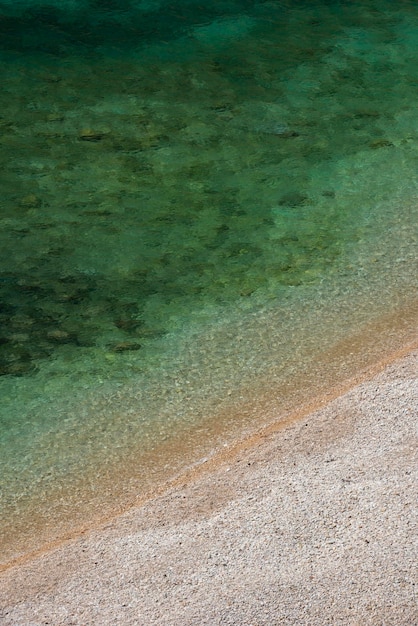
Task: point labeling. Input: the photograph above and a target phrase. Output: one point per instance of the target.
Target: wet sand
(312, 523)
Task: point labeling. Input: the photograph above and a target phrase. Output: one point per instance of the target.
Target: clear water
(207, 213)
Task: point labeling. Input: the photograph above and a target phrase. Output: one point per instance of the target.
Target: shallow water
(208, 215)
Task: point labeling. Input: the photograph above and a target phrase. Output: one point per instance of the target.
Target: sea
(208, 224)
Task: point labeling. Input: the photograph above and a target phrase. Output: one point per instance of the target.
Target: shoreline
(223, 486)
(261, 412)
(347, 363)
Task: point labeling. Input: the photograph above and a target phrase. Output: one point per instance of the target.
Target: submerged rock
(31, 201)
(88, 134)
(124, 346)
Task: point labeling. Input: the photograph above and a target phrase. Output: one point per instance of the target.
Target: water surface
(208, 214)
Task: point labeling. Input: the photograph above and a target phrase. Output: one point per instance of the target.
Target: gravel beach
(313, 524)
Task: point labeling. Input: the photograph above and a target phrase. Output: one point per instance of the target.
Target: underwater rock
(88, 134)
(293, 199)
(59, 335)
(19, 368)
(380, 143)
(19, 338)
(55, 117)
(31, 201)
(127, 323)
(125, 346)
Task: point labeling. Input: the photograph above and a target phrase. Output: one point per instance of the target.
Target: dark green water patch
(59, 29)
(210, 250)
(137, 192)
(134, 193)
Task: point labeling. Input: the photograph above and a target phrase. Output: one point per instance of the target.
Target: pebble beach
(313, 523)
(208, 313)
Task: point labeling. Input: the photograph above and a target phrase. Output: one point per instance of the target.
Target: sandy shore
(313, 524)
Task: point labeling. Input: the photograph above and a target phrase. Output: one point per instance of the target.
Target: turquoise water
(196, 202)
